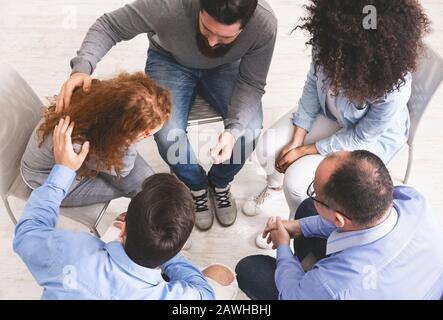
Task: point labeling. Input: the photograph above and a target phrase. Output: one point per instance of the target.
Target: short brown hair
(159, 220)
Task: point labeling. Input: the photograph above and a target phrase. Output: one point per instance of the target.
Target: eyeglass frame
(312, 197)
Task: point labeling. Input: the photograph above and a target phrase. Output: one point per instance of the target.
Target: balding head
(357, 184)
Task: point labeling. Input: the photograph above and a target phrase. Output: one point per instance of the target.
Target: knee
(245, 265)
(170, 133)
(306, 209)
(265, 149)
(294, 183)
(253, 129)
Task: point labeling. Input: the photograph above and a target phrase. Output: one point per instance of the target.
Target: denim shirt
(380, 126)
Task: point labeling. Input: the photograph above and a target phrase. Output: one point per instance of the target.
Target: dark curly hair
(365, 64)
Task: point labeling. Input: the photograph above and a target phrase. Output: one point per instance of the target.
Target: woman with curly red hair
(355, 95)
(112, 118)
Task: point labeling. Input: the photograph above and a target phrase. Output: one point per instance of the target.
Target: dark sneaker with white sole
(204, 214)
(224, 205)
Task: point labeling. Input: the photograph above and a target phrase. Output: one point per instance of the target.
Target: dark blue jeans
(215, 86)
(255, 274)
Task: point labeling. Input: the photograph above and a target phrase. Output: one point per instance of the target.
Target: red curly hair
(111, 116)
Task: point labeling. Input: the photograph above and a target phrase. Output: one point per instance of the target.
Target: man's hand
(279, 235)
(223, 149)
(76, 80)
(64, 153)
(291, 226)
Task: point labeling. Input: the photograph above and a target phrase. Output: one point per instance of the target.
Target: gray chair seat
(202, 113)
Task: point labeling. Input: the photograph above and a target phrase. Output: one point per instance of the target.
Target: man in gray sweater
(220, 49)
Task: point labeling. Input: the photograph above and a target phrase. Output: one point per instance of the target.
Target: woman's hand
(281, 164)
(290, 146)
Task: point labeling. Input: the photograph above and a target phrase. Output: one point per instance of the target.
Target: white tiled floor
(38, 37)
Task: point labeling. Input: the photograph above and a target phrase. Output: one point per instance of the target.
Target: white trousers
(301, 173)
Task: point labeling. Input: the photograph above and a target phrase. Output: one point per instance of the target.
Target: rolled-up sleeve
(309, 104)
(316, 226)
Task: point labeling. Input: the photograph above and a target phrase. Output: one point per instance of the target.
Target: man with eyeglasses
(371, 240)
(219, 49)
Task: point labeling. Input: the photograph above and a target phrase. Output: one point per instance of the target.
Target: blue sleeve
(309, 105)
(379, 118)
(36, 229)
(293, 283)
(316, 226)
(186, 281)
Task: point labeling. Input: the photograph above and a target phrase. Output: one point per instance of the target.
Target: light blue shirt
(380, 126)
(401, 258)
(75, 265)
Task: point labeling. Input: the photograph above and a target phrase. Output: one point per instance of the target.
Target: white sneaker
(256, 205)
(187, 245)
(261, 243)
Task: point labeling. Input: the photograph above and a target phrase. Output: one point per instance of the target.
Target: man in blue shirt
(371, 240)
(73, 265)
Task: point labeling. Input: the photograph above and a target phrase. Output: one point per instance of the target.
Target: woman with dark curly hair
(113, 117)
(355, 95)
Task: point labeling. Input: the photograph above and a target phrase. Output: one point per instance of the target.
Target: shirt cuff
(323, 147)
(308, 224)
(80, 65)
(61, 177)
(301, 123)
(235, 129)
(284, 251)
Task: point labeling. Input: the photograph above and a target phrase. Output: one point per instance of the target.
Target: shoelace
(261, 197)
(201, 202)
(223, 200)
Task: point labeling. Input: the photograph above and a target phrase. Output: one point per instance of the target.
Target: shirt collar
(119, 256)
(340, 240)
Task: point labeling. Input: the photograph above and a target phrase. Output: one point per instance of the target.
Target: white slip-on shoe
(257, 205)
(261, 243)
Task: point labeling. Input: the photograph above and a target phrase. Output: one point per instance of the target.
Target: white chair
(425, 83)
(20, 111)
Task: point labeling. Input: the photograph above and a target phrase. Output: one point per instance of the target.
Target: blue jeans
(255, 274)
(215, 86)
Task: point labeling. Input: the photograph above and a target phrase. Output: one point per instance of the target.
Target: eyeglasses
(311, 194)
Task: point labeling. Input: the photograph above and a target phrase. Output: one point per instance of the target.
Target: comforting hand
(279, 235)
(64, 153)
(223, 150)
(76, 80)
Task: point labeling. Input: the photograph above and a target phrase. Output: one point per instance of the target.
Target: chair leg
(8, 208)
(409, 167)
(94, 229)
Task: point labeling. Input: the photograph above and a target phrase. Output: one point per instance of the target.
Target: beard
(212, 52)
